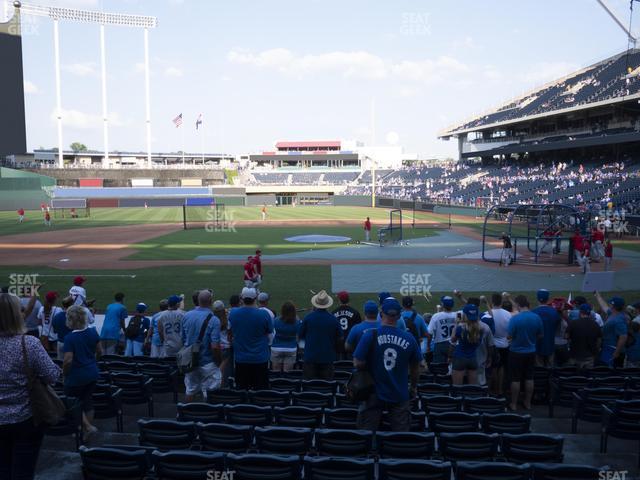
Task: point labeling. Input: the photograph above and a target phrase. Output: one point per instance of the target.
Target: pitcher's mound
(315, 238)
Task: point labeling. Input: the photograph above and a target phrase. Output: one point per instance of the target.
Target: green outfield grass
(188, 244)
(150, 285)
(102, 217)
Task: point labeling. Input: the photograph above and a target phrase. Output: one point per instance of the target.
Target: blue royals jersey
(393, 353)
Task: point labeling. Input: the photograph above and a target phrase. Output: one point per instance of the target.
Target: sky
(261, 71)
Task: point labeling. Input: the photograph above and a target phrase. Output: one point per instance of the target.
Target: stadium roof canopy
(313, 144)
(606, 82)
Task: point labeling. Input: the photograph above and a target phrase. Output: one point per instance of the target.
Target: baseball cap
(343, 296)
(446, 301)
(543, 295)
(248, 293)
(79, 280)
(51, 296)
(258, 252)
(141, 307)
(471, 312)
(585, 308)
(370, 307)
(263, 297)
(617, 302)
(218, 306)
(407, 302)
(382, 296)
(391, 307)
(174, 300)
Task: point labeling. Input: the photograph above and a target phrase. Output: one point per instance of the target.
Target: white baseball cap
(248, 293)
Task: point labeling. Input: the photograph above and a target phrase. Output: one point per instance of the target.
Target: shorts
(521, 366)
(503, 357)
(287, 359)
(461, 364)
(206, 377)
(84, 394)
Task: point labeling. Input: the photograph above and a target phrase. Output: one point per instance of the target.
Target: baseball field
(147, 254)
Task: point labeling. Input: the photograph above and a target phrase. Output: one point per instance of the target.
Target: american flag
(177, 121)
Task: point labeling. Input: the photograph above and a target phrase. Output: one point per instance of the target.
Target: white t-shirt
(501, 321)
(47, 324)
(79, 295)
(441, 326)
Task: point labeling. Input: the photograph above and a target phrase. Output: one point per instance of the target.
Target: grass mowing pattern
(188, 244)
(105, 217)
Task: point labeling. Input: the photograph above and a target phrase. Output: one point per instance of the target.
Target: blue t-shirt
(550, 321)
(358, 329)
(155, 336)
(84, 368)
(615, 326)
(420, 324)
(142, 332)
(286, 334)
(489, 321)
(633, 350)
(320, 331)
(59, 325)
(114, 315)
(191, 326)
(251, 328)
(524, 329)
(464, 348)
(389, 362)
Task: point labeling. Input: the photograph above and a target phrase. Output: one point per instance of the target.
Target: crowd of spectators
(493, 340)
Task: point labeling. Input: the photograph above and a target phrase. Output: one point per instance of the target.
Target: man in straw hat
(322, 334)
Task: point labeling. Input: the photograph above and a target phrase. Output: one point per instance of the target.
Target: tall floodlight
(103, 19)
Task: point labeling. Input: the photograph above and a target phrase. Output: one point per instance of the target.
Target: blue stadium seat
(312, 399)
(492, 471)
(200, 412)
(416, 445)
(532, 447)
(328, 468)
(506, 423)
(221, 437)
(110, 463)
(269, 398)
(283, 440)
(454, 422)
(556, 471)
(468, 446)
(394, 469)
(440, 403)
(186, 465)
(343, 443)
(298, 416)
(244, 414)
(346, 418)
(264, 466)
(167, 434)
(227, 396)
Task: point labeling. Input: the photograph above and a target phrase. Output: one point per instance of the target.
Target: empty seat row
(132, 463)
(313, 417)
(169, 435)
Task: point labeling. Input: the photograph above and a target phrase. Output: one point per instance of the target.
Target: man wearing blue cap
(170, 326)
(390, 355)
(370, 321)
(545, 346)
(614, 332)
(136, 331)
(440, 328)
(584, 337)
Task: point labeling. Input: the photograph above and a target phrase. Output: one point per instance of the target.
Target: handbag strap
(203, 329)
(25, 363)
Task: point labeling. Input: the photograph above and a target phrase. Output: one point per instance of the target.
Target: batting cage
(393, 232)
(70, 208)
(533, 234)
(203, 211)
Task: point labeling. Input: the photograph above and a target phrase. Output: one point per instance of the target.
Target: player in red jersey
(257, 267)
(249, 273)
(21, 215)
(367, 230)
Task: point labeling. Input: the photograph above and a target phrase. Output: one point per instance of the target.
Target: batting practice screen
(199, 211)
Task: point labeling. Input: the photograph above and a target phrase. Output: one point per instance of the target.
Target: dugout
(540, 234)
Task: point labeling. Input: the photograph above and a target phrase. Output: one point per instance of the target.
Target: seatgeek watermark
(415, 24)
(613, 475)
(23, 285)
(220, 223)
(416, 284)
(221, 474)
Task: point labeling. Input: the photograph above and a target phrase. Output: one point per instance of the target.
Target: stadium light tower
(631, 38)
(103, 19)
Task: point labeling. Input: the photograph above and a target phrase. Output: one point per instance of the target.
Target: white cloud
(86, 121)
(173, 72)
(81, 69)
(360, 64)
(138, 67)
(31, 88)
(544, 72)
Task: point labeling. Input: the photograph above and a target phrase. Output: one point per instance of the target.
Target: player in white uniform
(77, 292)
(440, 328)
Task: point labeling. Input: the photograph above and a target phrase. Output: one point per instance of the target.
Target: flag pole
(182, 132)
(202, 137)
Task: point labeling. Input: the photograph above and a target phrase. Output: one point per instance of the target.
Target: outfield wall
(22, 189)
